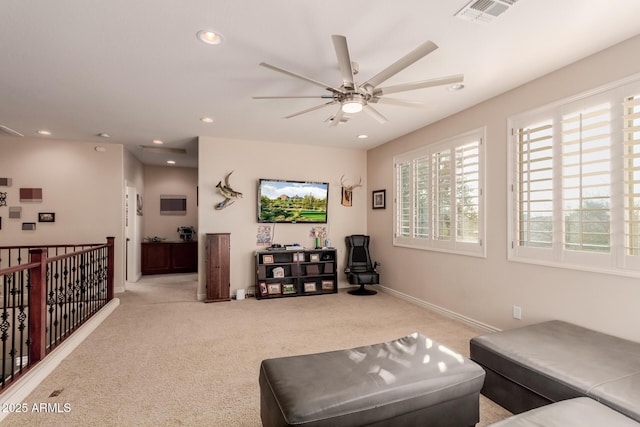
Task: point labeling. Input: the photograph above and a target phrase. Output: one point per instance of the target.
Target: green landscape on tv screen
(292, 201)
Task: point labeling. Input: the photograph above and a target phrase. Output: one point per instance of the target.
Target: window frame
(406, 162)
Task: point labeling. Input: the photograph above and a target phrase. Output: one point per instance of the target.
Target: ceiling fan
(354, 97)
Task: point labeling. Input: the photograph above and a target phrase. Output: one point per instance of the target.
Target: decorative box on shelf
(286, 273)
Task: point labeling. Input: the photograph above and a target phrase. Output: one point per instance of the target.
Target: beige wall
(171, 181)
(485, 290)
(251, 160)
(82, 186)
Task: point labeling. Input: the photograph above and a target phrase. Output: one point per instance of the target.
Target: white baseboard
(19, 390)
(445, 312)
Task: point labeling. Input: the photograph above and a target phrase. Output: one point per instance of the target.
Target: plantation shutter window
(586, 179)
(535, 185)
(421, 199)
(575, 182)
(442, 200)
(467, 192)
(403, 179)
(631, 135)
(438, 199)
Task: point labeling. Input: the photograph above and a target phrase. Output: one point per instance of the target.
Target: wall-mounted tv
(292, 201)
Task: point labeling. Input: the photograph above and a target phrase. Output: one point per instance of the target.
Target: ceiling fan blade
(308, 110)
(344, 60)
(299, 76)
(421, 51)
(419, 85)
(336, 119)
(375, 114)
(402, 103)
(295, 97)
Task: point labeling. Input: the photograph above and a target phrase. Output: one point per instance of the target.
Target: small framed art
(274, 288)
(327, 285)
(288, 288)
(379, 199)
(267, 259)
(310, 287)
(278, 272)
(314, 257)
(263, 289)
(46, 217)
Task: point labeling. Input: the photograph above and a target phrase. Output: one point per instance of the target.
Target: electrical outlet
(517, 312)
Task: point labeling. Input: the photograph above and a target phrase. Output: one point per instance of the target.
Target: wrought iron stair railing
(47, 293)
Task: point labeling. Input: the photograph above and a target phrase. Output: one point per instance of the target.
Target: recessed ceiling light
(104, 135)
(206, 120)
(157, 141)
(44, 132)
(363, 136)
(455, 87)
(209, 37)
(171, 162)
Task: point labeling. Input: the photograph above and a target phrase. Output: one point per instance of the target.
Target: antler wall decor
(347, 191)
(230, 195)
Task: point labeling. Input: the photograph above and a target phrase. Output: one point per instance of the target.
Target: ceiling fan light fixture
(353, 104)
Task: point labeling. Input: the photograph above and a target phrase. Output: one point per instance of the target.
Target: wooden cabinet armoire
(218, 259)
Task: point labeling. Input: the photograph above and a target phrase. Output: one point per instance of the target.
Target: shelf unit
(303, 272)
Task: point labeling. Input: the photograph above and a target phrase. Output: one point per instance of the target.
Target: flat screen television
(292, 201)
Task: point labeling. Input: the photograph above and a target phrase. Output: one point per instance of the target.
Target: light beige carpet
(164, 359)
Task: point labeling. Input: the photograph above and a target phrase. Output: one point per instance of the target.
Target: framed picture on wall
(172, 205)
(46, 217)
(379, 199)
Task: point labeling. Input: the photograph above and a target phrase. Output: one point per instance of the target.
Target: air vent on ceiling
(163, 150)
(8, 131)
(484, 10)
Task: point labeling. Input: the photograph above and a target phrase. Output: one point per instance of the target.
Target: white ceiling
(135, 70)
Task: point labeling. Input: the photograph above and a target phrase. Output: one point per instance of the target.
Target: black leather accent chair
(360, 270)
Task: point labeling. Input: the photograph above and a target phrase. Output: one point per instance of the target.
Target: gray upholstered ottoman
(578, 412)
(409, 381)
(550, 361)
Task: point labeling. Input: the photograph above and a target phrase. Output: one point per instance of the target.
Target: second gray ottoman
(578, 412)
(409, 381)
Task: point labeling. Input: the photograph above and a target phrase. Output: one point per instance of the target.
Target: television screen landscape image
(292, 201)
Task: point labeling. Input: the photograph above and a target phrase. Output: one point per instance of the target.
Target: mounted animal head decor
(230, 195)
(347, 191)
